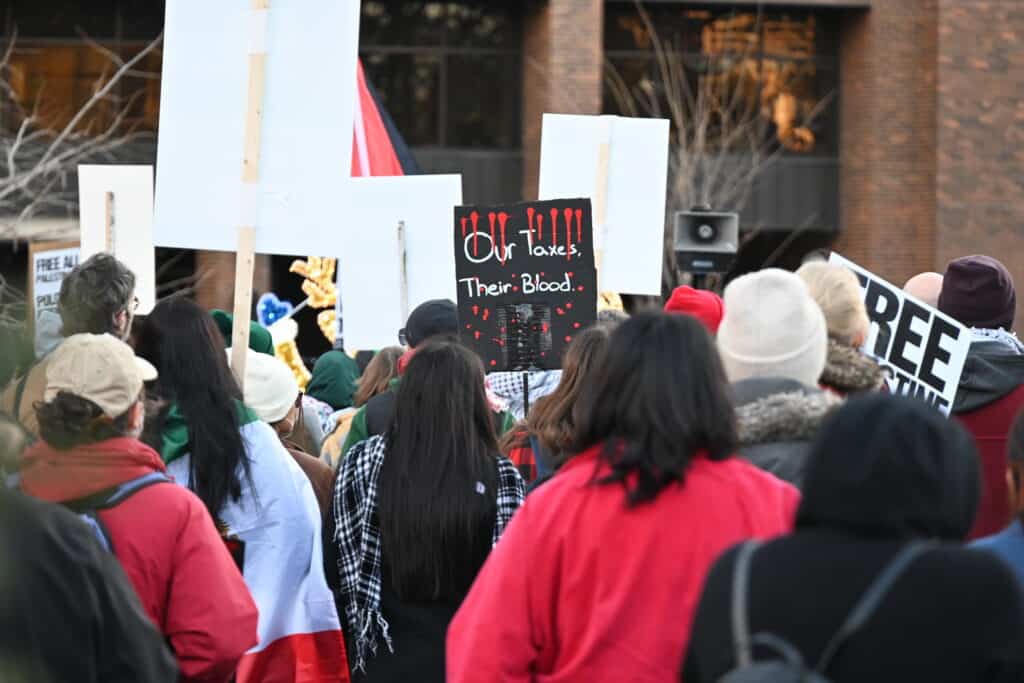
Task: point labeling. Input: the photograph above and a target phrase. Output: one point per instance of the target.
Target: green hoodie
(175, 435)
(334, 380)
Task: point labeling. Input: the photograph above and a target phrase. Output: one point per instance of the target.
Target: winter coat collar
(770, 410)
(848, 371)
(59, 476)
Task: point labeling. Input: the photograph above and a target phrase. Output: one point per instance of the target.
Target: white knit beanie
(772, 328)
(270, 388)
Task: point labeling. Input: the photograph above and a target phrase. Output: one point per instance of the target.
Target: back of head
(836, 290)
(182, 341)
(379, 372)
(891, 467)
(660, 400)
(925, 287)
(441, 448)
(334, 379)
(270, 386)
(703, 305)
(772, 328)
(978, 291)
(93, 294)
(553, 419)
(434, 318)
(92, 382)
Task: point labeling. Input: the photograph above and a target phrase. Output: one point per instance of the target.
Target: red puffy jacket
(168, 546)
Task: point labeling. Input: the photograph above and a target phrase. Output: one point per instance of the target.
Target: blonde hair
(837, 292)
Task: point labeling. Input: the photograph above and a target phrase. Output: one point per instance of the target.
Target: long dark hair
(553, 419)
(183, 342)
(661, 400)
(435, 520)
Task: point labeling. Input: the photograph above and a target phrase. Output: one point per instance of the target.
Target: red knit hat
(703, 305)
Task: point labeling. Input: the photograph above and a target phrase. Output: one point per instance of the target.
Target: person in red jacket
(618, 542)
(978, 291)
(160, 532)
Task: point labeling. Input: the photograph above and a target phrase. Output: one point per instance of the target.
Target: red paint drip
(580, 288)
(476, 335)
(502, 222)
(554, 227)
(569, 305)
(576, 325)
(475, 218)
(568, 339)
(493, 363)
(515, 288)
(544, 328)
(463, 220)
(476, 310)
(468, 326)
(487, 313)
(529, 221)
(579, 225)
(540, 226)
(568, 234)
(559, 311)
(490, 218)
(499, 342)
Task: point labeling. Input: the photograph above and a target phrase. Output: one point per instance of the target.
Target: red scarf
(57, 476)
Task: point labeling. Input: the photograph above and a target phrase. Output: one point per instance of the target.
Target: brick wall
(563, 59)
(888, 58)
(980, 193)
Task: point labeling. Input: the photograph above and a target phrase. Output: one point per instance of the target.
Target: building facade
(889, 128)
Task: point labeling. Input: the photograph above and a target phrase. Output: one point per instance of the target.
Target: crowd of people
(722, 490)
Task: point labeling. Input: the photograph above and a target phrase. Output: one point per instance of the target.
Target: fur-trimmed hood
(848, 371)
(776, 420)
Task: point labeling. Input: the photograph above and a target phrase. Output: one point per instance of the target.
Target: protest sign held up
(525, 279)
(922, 350)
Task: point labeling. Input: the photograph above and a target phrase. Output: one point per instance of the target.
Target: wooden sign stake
(601, 203)
(109, 222)
(403, 272)
(245, 256)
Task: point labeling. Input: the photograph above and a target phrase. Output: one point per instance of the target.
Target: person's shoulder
(736, 470)
(977, 577)
(46, 532)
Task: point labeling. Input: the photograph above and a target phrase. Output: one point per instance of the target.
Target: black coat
(67, 611)
(955, 615)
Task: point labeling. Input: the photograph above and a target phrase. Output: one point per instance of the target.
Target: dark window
(756, 77)
(448, 72)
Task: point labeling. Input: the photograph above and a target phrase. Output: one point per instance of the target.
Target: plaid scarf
(359, 545)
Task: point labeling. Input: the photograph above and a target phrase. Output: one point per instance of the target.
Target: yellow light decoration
(289, 353)
(328, 322)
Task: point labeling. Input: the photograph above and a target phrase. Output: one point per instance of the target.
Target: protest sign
(116, 216)
(921, 349)
(370, 278)
(48, 265)
(525, 279)
(207, 101)
(622, 165)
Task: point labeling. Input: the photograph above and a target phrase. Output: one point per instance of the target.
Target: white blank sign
(368, 269)
(132, 231)
(632, 239)
(306, 145)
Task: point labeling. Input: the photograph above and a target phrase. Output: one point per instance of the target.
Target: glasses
(133, 306)
(401, 337)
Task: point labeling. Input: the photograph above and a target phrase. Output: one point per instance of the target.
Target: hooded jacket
(777, 418)
(884, 471)
(848, 371)
(608, 591)
(168, 546)
(990, 396)
(69, 613)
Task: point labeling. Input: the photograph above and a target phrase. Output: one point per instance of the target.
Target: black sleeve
(330, 545)
(132, 648)
(709, 652)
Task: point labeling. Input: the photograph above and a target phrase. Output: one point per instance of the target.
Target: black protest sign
(922, 350)
(526, 280)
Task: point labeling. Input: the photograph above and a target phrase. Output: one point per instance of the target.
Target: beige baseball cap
(98, 367)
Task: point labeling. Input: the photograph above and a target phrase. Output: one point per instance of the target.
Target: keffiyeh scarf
(1000, 336)
(359, 543)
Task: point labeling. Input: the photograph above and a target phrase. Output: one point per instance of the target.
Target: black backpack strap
(740, 590)
(871, 599)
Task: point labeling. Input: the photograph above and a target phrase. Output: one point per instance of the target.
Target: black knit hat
(978, 291)
(429, 319)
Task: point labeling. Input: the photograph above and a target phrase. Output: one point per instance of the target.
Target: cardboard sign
(48, 265)
(370, 278)
(304, 154)
(115, 206)
(921, 349)
(621, 163)
(526, 280)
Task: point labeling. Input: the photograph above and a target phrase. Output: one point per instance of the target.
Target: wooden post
(403, 272)
(110, 223)
(245, 256)
(601, 203)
